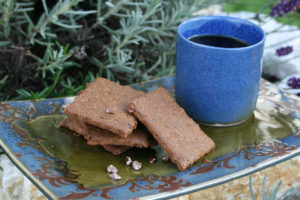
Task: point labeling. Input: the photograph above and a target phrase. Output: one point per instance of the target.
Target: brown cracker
(92, 103)
(115, 149)
(180, 137)
(97, 136)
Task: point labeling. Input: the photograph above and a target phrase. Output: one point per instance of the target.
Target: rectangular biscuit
(103, 104)
(97, 136)
(115, 150)
(180, 137)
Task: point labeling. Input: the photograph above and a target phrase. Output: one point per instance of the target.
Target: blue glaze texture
(218, 85)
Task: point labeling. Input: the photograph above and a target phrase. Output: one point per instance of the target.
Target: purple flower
(284, 7)
(298, 94)
(294, 82)
(284, 51)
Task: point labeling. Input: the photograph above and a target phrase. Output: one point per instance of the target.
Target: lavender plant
(279, 10)
(284, 7)
(294, 83)
(53, 48)
(283, 51)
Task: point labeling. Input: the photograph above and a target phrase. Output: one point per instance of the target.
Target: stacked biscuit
(99, 114)
(106, 114)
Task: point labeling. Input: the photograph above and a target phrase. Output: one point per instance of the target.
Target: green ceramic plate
(63, 166)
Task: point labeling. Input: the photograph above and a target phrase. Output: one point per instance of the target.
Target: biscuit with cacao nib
(115, 149)
(103, 104)
(180, 137)
(96, 136)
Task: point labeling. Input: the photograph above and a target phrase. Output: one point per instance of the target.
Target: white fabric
(278, 66)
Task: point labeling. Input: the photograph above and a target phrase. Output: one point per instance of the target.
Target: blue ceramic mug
(215, 85)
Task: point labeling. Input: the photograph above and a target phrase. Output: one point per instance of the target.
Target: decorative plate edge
(218, 181)
(13, 158)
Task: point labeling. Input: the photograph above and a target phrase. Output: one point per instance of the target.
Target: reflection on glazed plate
(64, 167)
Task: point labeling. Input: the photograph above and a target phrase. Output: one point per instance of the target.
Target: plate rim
(162, 195)
(26, 172)
(224, 179)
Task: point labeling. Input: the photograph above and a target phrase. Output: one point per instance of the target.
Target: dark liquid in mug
(218, 41)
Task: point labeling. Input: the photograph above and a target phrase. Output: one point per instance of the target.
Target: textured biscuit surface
(97, 136)
(180, 137)
(103, 104)
(115, 149)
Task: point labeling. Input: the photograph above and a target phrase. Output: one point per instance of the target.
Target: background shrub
(53, 48)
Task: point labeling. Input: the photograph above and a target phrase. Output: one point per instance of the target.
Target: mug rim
(222, 18)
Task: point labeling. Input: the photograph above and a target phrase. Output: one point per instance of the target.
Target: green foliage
(262, 6)
(53, 48)
(265, 194)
